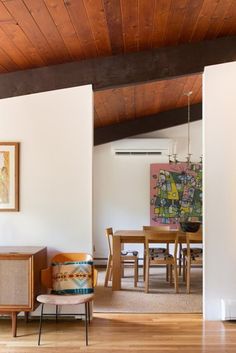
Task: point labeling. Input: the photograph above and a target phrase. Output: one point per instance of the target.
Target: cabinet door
(15, 282)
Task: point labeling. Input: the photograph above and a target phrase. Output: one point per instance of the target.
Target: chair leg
(89, 313)
(110, 273)
(147, 275)
(144, 265)
(180, 258)
(171, 274)
(86, 322)
(184, 269)
(40, 324)
(107, 272)
(188, 276)
(122, 270)
(167, 266)
(135, 272)
(144, 261)
(167, 273)
(176, 278)
(56, 313)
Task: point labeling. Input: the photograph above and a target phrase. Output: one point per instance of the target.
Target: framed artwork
(176, 193)
(9, 176)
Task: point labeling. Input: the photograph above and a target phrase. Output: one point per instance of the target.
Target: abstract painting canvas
(9, 176)
(176, 193)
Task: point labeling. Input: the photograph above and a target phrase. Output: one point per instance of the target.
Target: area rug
(161, 299)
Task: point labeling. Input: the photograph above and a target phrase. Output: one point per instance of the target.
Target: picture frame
(9, 176)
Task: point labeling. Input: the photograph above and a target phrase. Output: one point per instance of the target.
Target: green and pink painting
(176, 193)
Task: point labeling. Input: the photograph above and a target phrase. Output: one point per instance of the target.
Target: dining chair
(191, 255)
(158, 256)
(125, 259)
(68, 268)
(160, 228)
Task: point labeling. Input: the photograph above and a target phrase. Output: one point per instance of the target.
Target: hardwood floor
(123, 333)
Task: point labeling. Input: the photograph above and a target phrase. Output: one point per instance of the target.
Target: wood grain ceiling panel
(60, 16)
(45, 32)
(146, 22)
(35, 33)
(21, 14)
(80, 21)
(98, 23)
(114, 23)
(130, 21)
(123, 104)
(17, 36)
(42, 17)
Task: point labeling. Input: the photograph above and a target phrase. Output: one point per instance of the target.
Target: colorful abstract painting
(176, 193)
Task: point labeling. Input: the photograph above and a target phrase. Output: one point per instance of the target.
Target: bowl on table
(191, 227)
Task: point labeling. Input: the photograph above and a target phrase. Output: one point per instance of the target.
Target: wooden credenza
(20, 279)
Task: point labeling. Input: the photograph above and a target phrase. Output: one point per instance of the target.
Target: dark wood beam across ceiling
(159, 121)
(121, 70)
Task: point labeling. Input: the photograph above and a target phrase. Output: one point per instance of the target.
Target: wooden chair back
(109, 235)
(196, 237)
(156, 228)
(62, 257)
(159, 236)
(46, 274)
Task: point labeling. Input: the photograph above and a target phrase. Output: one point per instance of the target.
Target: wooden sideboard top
(27, 250)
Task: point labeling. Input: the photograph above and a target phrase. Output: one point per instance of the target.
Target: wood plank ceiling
(35, 33)
(126, 103)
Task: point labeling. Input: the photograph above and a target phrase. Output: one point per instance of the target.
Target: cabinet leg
(14, 323)
(26, 317)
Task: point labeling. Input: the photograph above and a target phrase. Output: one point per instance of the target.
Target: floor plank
(126, 333)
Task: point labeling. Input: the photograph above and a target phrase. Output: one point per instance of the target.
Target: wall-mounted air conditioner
(142, 146)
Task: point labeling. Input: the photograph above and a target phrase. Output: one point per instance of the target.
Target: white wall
(122, 185)
(219, 98)
(55, 134)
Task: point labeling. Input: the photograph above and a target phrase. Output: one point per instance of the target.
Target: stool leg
(40, 325)
(86, 322)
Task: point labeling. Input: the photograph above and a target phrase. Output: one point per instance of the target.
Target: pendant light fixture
(173, 158)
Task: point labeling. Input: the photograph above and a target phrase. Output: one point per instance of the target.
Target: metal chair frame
(46, 279)
(86, 314)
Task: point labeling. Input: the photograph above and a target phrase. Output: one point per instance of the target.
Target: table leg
(116, 279)
(14, 323)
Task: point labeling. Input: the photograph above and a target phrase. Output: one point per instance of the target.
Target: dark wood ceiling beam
(159, 121)
(121, 70)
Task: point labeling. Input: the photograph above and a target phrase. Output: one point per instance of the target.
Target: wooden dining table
(121, 237)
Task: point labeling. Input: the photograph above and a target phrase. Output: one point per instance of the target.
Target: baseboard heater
(228, 309)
